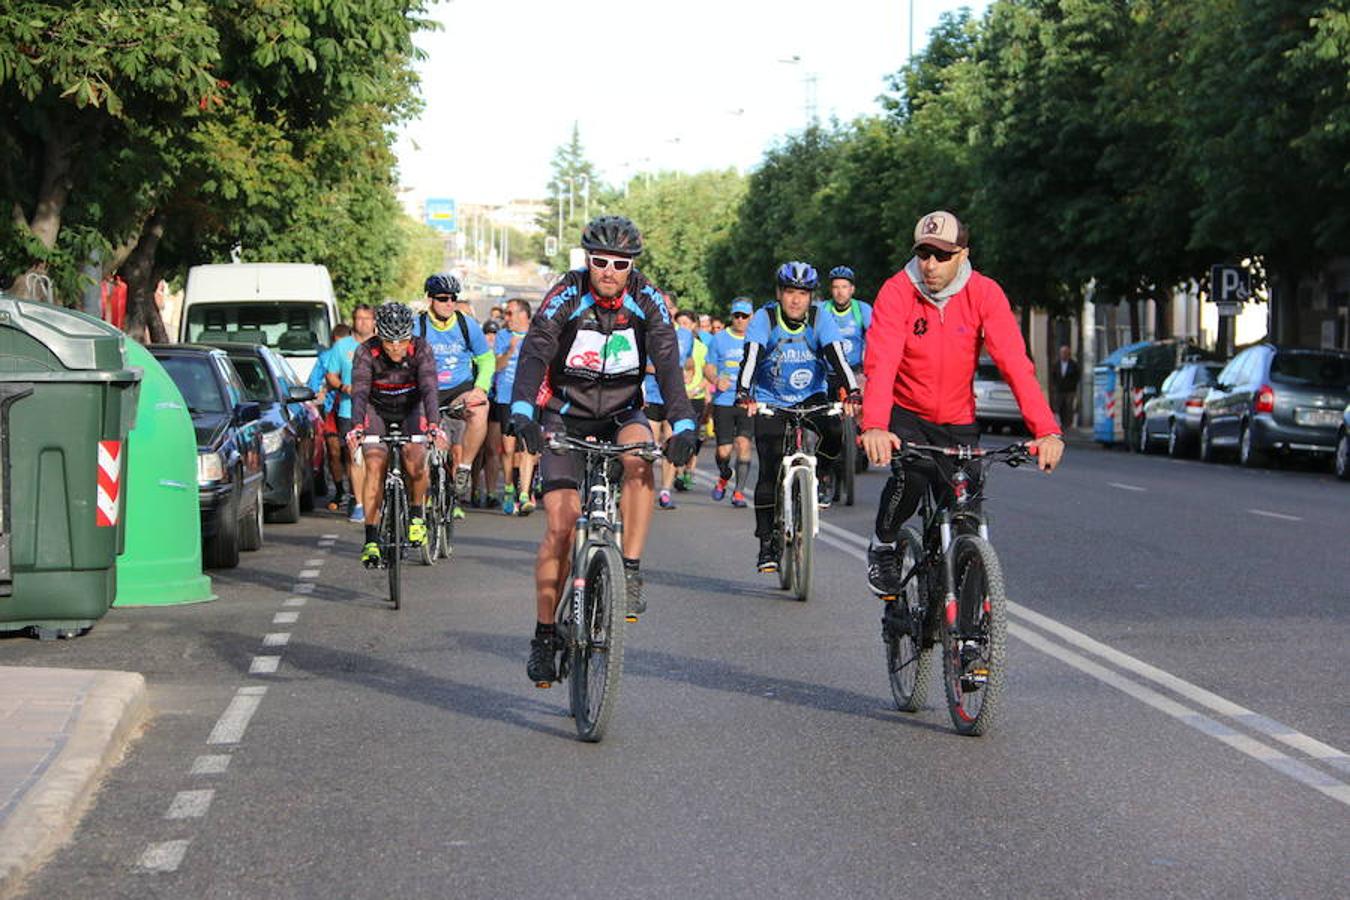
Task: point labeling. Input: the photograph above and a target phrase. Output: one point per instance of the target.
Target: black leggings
(770, 433)
(900, 497)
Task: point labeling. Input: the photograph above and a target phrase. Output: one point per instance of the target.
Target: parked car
(229, 450)
(289, 435)
(1173, 416)
(995, 405)
(1342, 458)
(1274, 399)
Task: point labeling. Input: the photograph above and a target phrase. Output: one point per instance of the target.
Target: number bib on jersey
(603, 355)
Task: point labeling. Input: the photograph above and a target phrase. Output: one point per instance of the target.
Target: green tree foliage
(681, 217)
(573, 176)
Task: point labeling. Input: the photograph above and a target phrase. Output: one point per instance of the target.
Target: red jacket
(923, 358)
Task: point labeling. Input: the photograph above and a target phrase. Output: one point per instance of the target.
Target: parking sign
(440, 212)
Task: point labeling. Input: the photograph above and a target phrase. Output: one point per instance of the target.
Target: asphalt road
(1177, 698)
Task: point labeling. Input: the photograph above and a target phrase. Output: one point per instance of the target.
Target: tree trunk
(1135, 330)
(1162, 304)
(143, 319)
(53, 192)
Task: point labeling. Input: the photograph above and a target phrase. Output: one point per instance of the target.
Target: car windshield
(196, 381)
(295, 329)
(1309, 367)
(252, 372)
(987, 371)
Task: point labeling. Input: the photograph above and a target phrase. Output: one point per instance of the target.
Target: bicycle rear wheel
(392, 527)
(597, 654)
(804, 512)
(975, 637)
(909, 664)
(850, 459)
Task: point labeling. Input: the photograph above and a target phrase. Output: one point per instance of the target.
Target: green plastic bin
(67, 402)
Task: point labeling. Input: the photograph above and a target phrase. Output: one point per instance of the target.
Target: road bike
(392, 535)
(951, 591)
(440, 505)
(796, 503)
(591, 616)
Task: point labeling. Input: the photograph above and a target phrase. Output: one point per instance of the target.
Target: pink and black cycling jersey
(394, 390)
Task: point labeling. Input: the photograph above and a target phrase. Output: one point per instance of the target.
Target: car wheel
(1342, 459)
(307, 493)
(1174, 446)
(251, 526)
(1143, 436)
(291, 511)
(1207, 453)
(1248, 455)
(222, 551)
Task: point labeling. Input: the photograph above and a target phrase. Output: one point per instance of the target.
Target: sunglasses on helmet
(619, 263)
(934, 253)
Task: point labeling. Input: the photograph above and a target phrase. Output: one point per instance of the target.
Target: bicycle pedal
(629, 617)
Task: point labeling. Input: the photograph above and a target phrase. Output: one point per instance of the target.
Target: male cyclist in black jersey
(393, 382)
(580, 372)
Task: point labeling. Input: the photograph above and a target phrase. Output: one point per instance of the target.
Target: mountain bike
(440, 503)
(393, 531)
(591, 617)
(796, 504)
(951, 591)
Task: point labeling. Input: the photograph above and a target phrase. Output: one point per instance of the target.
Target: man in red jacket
(928, 323)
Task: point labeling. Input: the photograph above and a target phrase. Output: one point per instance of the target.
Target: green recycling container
(67, 402)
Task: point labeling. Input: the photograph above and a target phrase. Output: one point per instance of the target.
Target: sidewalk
(60, 731)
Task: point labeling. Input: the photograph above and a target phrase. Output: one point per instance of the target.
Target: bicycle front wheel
(850, 459)
(909, 664)
(597, 653)
(430, 549)
(804, 513)
(393, 525)
(975, 637)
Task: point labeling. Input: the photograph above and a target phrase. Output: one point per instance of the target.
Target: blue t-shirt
(506, 376)
(853, 324)
(317, 382)
(726, 352)
(791, 368)
(339, 360)
(454, 361)
(684, 339)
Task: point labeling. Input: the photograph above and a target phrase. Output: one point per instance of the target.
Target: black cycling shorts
(500, 413)
(378, 426)
(656, 412)
(731, 422)
(562, 471)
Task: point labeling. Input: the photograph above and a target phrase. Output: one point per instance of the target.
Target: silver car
(995, 405)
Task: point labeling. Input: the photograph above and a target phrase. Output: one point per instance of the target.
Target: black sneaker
(637, 604)
(768, 555)
(825, 490)
(542, 667)
(883, 569)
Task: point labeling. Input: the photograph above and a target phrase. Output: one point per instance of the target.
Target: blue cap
(742, 306)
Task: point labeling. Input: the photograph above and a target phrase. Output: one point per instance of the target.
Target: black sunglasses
(740, 315)
(620, 265)
(443, 298)
(934, 253)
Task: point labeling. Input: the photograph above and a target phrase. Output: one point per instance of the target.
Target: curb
(113, 707)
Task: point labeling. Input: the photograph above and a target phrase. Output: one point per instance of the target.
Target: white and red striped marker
(1138, 401)
(109, 482)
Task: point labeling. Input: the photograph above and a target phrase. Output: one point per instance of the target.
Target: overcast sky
(679, 84)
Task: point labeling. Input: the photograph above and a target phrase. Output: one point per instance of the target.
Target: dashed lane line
(285, 618)
(1127, 487)
(264, 665)
(232, 724)
(1284, 517)
(293, 601)
(190, 804)
(166, 856)
(308, 573)
(276, 639)
(210, 764)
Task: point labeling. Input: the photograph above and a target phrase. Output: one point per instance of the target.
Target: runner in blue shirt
(337, 364)
(787, 347)
(731, 422)
(854, 319)
(515, 500)
(684, 340)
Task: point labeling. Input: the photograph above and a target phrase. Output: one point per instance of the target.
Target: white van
(290, 307)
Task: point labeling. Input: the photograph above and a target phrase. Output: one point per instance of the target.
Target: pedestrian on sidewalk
(1064, 375)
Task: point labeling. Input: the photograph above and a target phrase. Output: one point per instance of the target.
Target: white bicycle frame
(799, 460)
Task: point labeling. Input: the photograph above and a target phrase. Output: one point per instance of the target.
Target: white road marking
(190, 804)
(1274, 515)
(1286, 765)
(163, 857)
(303, 587)
(1127, 487)
(264, 665)
(314, 562)
(230, 727)
(327, 543)
(277, 639)
(293, 601)
(308, 573)
(213, 764)
(285, 618)
(330, 537)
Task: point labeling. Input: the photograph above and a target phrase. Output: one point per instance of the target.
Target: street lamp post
(586, 193)
(558, 185)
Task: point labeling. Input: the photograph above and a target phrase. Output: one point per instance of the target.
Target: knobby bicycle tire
(804, 511)
(597, 656)
(909, 662)
(784, 545)
(982, 611)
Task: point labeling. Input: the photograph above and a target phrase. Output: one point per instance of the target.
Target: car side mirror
(246, 412)
(299, 393)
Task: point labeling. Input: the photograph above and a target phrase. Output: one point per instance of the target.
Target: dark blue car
(229, 450)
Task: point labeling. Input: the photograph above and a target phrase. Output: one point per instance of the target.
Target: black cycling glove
(527, 431)
(681, 447)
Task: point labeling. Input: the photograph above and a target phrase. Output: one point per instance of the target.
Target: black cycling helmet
(798, 275)
(393, 321)
(843, 272)
(612, 234)
(442, 283)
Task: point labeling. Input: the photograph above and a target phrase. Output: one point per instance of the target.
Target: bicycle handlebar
(801, 412)
(1014, 454)
(394, 439)
(563, 442)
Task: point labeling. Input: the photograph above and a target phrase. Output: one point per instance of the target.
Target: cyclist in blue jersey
(515, 501)
(788, 345)
(464, 368)
(732, 424)
(854, 319)
(684, 340)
